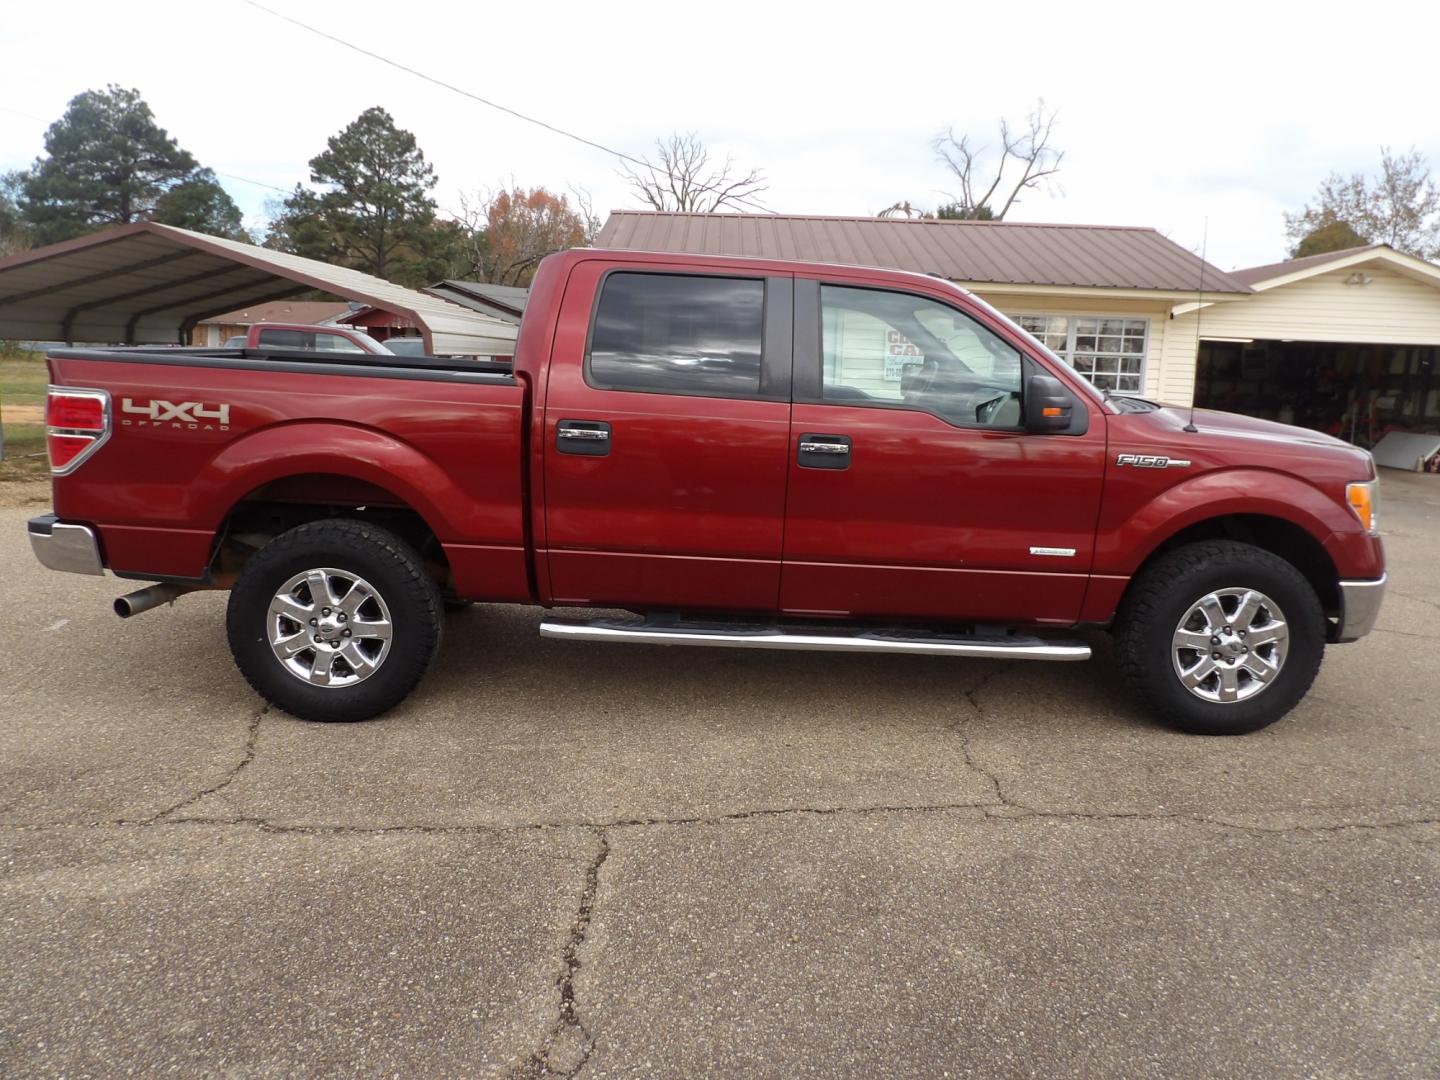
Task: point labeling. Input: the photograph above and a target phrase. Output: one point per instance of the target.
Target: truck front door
(666, 429)
(915, 491)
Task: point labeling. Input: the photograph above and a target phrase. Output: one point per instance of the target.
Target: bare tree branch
(1031, 149)
(682, 178)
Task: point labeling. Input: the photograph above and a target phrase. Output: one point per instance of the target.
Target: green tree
(201, 205)
(373, 209)
(296, 227)
(954, 211)
(1336, 236)
(14, 234)
(107, 162)
(1399, 206)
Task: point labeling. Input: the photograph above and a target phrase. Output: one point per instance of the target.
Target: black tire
(1159, 598)
(384, 561)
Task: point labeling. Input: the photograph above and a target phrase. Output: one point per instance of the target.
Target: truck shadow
(497, 651)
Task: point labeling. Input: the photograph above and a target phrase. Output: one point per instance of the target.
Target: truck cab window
(325, 342)
(678, 334)
(286, 339)
(898, 349)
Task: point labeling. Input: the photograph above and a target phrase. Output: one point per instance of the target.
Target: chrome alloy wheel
(1230, 645)
(329, 627)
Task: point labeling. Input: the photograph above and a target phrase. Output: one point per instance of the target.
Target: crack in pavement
(978, 811)
(1418, 599)
(252, 738)
(1405, 633)
(569, 1043)
(958, 729)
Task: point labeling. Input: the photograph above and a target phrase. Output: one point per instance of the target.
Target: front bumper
(71, 548)
(1359, 607)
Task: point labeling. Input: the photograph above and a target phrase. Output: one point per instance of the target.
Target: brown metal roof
(998, 252)
(1253, 274)
(289, 311)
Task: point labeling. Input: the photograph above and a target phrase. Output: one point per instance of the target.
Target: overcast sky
(1170, 114)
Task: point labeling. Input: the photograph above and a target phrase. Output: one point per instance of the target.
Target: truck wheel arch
(280, 505)
(1280, 536)
(287, 454)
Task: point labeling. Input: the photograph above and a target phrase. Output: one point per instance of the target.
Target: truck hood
(1226, 439)
(1233, 425)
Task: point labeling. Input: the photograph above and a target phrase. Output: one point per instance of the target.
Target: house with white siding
(1346, 342)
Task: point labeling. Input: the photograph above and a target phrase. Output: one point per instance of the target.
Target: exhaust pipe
(152, 596)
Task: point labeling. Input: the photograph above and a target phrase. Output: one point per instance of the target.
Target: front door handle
(587, 438)
(823, 451)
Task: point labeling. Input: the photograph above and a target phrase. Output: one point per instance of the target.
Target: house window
(1110, 352)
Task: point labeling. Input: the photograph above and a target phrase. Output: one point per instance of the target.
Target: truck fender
(1123, 546)
(349, 450)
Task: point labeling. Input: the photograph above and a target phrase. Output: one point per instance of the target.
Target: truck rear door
(666, 428)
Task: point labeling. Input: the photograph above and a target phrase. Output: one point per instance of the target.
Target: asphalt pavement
(601, 860)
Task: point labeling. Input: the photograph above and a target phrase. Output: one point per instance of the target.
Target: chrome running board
(770, 636)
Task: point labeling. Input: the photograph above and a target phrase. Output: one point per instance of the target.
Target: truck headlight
(1362, 498)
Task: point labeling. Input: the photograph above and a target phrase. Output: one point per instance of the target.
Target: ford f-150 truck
(738, 452)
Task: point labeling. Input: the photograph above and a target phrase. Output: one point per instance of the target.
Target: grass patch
(22, 383)
(24, 453)
(22, 379)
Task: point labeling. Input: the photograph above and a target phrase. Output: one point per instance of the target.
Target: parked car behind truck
(744, 453)
(305, 336)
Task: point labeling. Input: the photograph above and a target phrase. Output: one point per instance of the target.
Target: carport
(150, 284)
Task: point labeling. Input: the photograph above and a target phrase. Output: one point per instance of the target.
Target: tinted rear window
(679, 334)
(286, 339)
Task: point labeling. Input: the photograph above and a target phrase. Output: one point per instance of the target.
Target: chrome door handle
(583, 438)
(822, 450)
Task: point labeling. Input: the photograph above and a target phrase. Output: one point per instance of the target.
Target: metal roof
(971, 252)
(149, 284)
(1253, 274)
(291, 311)
(505, 301)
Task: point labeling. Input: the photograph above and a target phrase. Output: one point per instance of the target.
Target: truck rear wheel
(1220, 637)
(334, 620)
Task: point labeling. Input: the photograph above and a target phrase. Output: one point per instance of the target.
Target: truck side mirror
(1049, 407)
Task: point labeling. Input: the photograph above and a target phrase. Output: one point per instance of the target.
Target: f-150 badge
(1151, 461)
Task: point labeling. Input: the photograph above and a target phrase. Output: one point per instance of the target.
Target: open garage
(1347, 342)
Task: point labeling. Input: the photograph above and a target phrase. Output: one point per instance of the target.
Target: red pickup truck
(741, 453)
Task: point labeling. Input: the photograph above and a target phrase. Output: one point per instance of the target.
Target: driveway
(604, 861)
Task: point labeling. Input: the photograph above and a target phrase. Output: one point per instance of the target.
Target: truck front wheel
(334, 620)
(1220, 637)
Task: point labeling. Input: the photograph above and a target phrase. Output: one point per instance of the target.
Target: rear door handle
(819, 451)
(587, 438)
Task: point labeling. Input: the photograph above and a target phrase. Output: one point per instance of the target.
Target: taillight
(77, 423)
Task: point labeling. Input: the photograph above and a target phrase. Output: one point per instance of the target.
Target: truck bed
(197, 433)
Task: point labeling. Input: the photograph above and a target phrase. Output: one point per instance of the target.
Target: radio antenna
(1199, 309)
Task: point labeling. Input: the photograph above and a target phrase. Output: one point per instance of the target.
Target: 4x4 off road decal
(184, 415)
(1151, 461)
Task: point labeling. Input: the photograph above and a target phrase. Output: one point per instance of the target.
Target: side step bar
(765, 636)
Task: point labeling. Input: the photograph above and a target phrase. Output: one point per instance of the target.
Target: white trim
(1409, 265)
(1095, 293)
